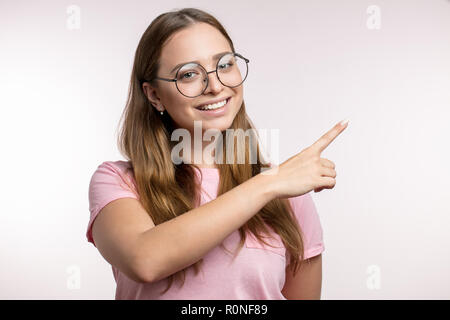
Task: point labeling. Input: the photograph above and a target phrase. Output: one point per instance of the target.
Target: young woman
(223, 230)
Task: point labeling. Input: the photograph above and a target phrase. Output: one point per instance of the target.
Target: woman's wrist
(266, 181)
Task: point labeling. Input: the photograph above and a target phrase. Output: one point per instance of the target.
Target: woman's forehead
(199, 42)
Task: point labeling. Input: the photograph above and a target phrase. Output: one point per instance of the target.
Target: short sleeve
(109, 182)
(309, 221)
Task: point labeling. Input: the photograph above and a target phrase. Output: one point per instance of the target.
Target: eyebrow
(215, 57)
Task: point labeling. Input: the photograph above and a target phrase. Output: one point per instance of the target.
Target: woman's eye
(225, 65)
(188, 75)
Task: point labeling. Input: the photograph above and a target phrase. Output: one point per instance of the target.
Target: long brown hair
(166, 189)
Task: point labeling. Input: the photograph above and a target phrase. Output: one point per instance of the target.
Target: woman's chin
(217, 124)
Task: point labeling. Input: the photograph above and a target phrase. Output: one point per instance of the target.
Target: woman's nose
(214, 85)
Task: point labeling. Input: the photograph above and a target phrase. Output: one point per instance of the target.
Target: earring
(162, 112)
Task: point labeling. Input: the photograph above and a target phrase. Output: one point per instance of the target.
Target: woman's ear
(152, 95)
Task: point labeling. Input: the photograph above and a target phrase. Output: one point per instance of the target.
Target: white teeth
(214, 106)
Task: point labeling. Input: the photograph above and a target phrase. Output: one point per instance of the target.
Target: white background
(312, 63)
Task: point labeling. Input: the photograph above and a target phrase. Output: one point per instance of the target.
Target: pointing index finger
(325, 140)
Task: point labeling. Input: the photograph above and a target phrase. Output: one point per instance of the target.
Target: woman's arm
(126, 236)
(307, 283)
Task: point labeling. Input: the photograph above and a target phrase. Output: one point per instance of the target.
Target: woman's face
(199, 42)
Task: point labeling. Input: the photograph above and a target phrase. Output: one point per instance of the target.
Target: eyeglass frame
(207, 73)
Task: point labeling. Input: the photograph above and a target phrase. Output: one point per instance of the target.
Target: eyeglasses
(192, 78)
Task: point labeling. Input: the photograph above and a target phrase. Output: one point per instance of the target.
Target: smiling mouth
(213, 106)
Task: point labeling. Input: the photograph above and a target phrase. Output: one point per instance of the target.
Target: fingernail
(344, 122)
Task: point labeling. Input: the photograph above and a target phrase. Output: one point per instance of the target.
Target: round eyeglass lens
(191, 79)
(232, 70)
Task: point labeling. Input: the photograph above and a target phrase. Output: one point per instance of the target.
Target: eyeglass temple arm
(158, 78)
(246, 60)
(165, 79)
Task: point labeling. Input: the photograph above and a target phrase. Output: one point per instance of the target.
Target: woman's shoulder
(119, 171)
(122, 165)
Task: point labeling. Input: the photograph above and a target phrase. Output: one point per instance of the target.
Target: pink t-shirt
(257, 273)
